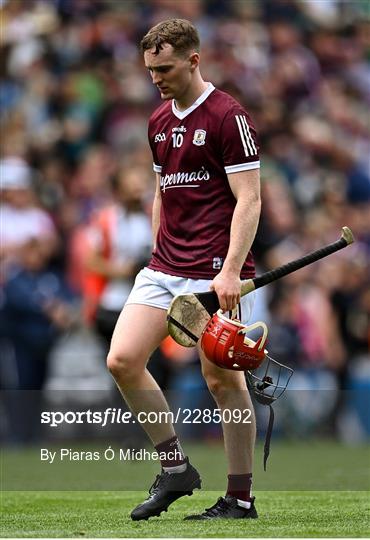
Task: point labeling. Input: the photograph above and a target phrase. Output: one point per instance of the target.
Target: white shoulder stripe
(245, 135)
(250, 138)
(242, 135)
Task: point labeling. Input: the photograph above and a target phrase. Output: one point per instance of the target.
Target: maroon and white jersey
(193, 152)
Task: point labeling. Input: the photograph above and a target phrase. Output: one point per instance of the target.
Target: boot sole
(198, 517)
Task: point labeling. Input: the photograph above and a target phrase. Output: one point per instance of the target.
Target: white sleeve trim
(157, 168)
(242, 167)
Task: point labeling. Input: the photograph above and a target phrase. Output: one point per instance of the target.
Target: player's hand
(227, 286)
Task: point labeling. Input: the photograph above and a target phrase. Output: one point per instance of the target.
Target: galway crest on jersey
(199, 137)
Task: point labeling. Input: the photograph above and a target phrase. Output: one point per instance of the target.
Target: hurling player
(205, 215)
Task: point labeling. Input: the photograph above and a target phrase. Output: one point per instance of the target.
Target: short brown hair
(180, 33)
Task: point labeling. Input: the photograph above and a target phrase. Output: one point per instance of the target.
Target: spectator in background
(90, 186)
(36, 307)
(21, 217)
(119, 240)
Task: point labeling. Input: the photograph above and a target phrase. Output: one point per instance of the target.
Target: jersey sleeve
(156, 165)
(239, 145)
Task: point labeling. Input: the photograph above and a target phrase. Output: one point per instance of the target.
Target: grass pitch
(106, 514)
(311, 489)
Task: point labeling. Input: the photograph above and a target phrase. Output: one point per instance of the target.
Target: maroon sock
(239, 486)
(170, 452)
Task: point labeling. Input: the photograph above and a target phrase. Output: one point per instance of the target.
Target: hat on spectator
(14, 174)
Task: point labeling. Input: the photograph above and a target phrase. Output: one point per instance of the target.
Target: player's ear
(194, 61)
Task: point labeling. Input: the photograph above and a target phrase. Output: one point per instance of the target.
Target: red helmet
(225, 343)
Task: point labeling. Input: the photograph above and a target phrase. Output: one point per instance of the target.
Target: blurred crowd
(77, 182)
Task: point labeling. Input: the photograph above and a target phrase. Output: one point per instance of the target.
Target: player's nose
(156, 78)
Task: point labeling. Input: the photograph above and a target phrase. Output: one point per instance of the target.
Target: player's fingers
(222, 300)
(233, 302)
(230, 302)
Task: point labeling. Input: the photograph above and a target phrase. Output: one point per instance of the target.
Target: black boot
(166, 489)
(227, 508)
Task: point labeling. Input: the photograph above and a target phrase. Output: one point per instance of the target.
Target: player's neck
(194, 92)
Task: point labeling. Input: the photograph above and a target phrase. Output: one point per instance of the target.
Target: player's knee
(215, 384)
(122, 365)
(114, 364)
(221, 383)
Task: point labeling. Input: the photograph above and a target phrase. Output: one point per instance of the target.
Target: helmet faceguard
(270, 381)
(266, 391)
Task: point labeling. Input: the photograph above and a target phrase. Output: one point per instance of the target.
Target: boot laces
(160, 479)
(220, 507)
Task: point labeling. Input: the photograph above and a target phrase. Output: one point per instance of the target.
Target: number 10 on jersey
(177, 139)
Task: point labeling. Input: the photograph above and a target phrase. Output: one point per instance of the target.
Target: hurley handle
(345, 240)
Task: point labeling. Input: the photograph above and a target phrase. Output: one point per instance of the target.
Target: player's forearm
(242, 233)
(156, 218)
(156, 211)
